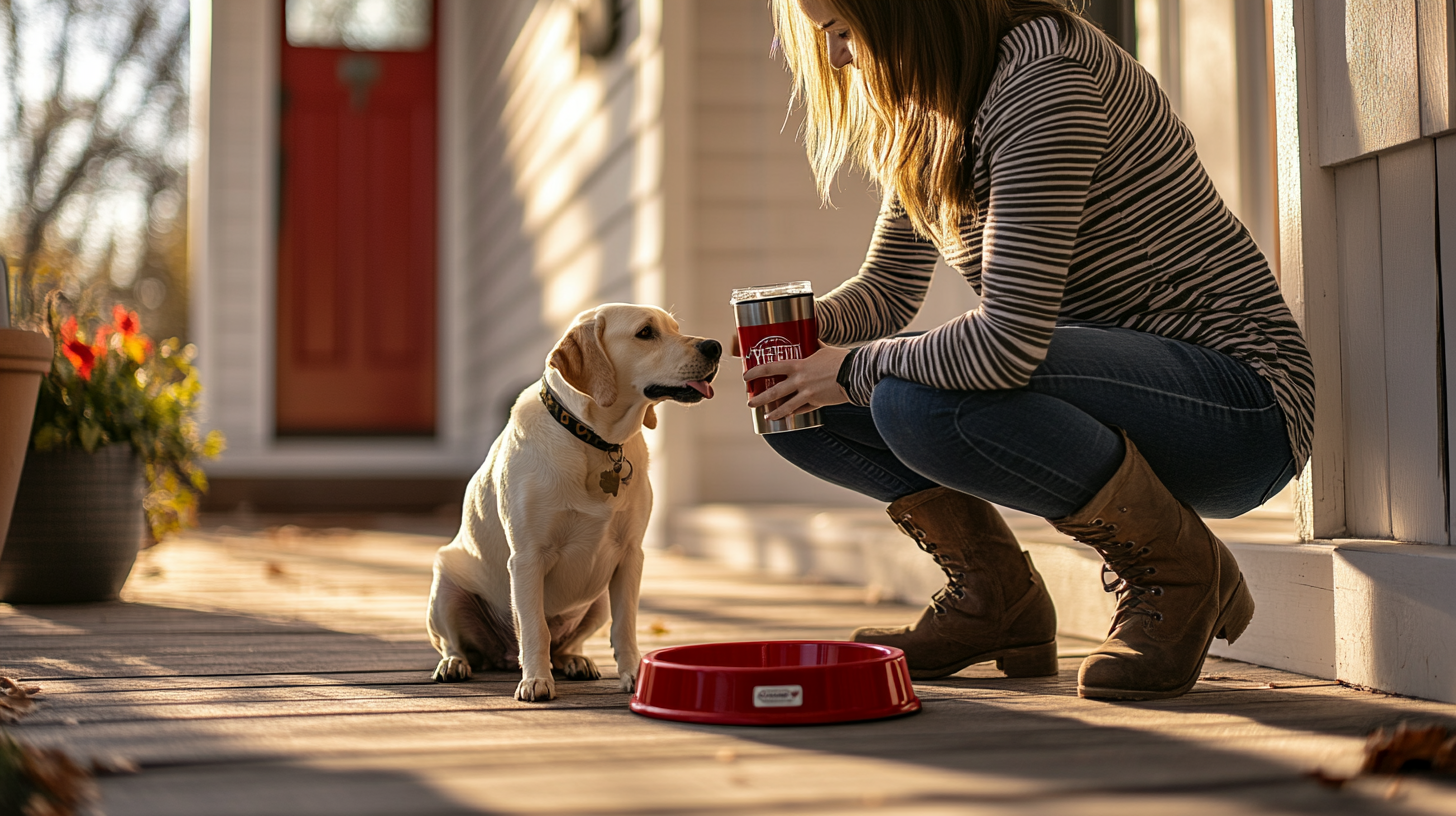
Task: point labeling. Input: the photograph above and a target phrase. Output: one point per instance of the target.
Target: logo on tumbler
(774, 348)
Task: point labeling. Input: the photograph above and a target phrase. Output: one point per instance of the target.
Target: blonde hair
(906, 111)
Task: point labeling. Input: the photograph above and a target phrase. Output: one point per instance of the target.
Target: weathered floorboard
(285, 671)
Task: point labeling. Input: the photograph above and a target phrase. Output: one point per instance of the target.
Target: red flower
(68, 330)
(81, 356)
(128, 323)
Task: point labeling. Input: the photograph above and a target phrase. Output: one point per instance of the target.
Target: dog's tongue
(703, 387)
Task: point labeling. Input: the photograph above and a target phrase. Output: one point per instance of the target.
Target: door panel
(356, 243)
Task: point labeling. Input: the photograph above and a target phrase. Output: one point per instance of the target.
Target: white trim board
(348, 458)
(1375, 614)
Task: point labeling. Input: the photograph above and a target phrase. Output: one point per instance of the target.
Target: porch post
(1308, 262)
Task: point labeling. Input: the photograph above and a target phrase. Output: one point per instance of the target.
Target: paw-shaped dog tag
(609, 482)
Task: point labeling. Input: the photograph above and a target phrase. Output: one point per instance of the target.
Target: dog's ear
(583, 362)
(649, 420)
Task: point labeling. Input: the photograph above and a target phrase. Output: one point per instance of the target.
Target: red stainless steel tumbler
(776, 323)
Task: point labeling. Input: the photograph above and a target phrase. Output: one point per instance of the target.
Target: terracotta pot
(76, 528)
(25, 357)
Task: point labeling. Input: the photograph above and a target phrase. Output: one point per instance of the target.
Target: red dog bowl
(775, 682)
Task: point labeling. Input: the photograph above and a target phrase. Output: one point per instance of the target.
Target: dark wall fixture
(599, 26)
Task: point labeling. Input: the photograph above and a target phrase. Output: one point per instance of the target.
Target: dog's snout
(711, 349)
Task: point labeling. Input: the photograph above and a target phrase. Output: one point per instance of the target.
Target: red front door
(356, 239)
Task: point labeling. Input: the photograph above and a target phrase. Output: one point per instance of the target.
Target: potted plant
(114, 457)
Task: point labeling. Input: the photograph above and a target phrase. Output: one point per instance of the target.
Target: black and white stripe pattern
(1094, 209)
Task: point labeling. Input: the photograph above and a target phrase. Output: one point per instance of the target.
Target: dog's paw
(578, 667)
(628, 680)
(535, 690)
(452, 670)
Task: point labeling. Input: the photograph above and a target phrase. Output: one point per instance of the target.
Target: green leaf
(49, 437)
(214, 444)
(91, 433)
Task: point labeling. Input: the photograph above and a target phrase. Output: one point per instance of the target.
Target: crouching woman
(1131, 365)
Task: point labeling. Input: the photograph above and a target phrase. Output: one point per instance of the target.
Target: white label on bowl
(777, 696)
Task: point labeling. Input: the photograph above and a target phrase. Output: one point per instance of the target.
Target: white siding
(1446, 192)
(1412, 301)
(1436, 47)
(1361, 85)
(1367, 444)
(1368, 77)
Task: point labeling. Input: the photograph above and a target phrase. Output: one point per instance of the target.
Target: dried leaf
(46, 780)
(275, 570)
(111, 765)
(58, 778)
(13, 689)
(658, 628)
(1327, 780)
(15, 700)
(1445, 758)
(1392, 751)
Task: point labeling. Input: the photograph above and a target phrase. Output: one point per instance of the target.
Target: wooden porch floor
(284, 670)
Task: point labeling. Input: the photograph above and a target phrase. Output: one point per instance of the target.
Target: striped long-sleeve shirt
(1094, 209)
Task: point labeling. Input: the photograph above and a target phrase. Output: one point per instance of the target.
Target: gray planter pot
(76, 527)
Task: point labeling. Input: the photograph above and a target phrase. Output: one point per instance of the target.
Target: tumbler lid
(773, 290)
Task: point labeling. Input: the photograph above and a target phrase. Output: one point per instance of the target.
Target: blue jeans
(1207, 424)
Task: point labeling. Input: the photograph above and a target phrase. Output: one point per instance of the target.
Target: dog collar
(609, 478)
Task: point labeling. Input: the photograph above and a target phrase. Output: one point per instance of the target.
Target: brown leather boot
(994, 605)
(1177, 587)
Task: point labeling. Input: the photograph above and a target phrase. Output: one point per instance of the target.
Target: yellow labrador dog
(554, 519)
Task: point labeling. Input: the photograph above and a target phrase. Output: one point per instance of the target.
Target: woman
(1131, 366)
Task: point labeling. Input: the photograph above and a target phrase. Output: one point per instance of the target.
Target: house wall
(1380, 102)
(1364, 120)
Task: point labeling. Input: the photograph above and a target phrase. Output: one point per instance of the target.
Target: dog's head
(624, 350)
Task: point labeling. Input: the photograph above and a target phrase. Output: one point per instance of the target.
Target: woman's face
(836, 31)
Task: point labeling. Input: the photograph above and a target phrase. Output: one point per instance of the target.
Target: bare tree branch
(71, 143)
(12, 64)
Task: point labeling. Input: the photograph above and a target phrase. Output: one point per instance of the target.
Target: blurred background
(96, 144)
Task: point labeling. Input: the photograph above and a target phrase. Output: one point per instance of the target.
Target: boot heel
(1029, 661)
(1237, 614)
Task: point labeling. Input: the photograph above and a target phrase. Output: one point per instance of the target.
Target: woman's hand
(810, 383)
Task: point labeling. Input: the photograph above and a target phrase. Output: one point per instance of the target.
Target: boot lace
(1123, 561)
(953, 587)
